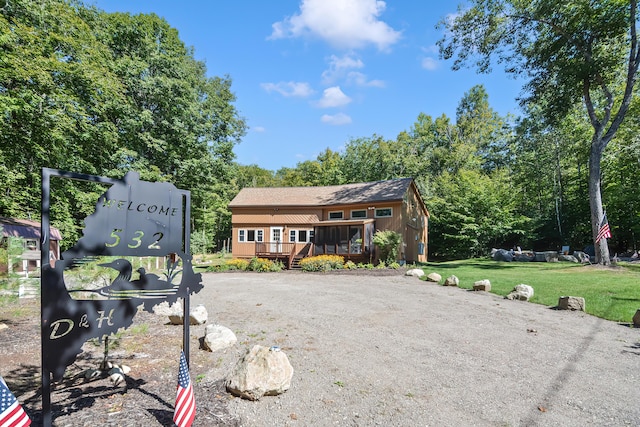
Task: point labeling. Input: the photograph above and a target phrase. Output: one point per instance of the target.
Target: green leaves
(98, 93)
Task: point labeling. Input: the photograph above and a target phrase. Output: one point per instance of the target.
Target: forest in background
(104, 93)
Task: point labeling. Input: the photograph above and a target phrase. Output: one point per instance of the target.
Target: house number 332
(135, 241)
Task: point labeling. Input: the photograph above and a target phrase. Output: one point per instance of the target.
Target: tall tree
(570, 51)
(87, 91)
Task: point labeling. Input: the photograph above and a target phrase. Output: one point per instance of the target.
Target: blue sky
(314, 74)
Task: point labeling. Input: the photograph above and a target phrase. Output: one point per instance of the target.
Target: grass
(609, 293)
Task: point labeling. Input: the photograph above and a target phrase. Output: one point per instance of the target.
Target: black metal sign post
(132, 218)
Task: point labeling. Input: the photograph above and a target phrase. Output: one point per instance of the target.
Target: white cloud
(336, 119)
(259, 129)
(333, 97)
(339, 67)
(429, 63)
(360, 79)
(345, 24)
(289, 89)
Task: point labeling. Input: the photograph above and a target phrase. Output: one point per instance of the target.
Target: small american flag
(11, 413)
(185, 410)
(604, 232)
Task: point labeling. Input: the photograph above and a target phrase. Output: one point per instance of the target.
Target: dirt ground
(367, 350)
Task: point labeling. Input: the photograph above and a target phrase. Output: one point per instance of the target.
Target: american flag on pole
(185, 410)
(11, 413)
(604, 232)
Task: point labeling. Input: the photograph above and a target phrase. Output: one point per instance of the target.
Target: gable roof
(25, 228)
(367, 192)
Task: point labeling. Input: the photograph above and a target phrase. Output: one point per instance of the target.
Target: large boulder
(263, 371)
(503, 255)
(198, 315)
(521, 292)
(218, 337)
(571, 303)
(636, 319)
(434, 277)
(582, 257)
(567, 258)
(452, 281)
(415, 272)
(482, 285)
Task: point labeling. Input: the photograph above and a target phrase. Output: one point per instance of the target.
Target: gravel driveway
(367, 350)
(396, 351)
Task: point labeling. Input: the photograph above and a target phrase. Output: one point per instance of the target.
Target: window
(384, 213)
(359, 214)
(302, 236)
(250, 236)
(336, 215)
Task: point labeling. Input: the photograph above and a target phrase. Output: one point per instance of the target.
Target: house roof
(367, 192)
(25, 228)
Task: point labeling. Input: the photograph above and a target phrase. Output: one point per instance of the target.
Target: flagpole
(185, 326)
(44, 259)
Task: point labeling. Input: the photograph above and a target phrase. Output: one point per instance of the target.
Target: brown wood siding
(265, 218)
(414, 229)
(414, 233)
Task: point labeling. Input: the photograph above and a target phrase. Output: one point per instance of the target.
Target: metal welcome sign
(132, 218)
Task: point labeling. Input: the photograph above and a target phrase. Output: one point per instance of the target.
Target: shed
(29, 231)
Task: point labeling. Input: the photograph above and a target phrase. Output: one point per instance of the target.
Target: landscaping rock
(261, 372)
(503, 255)
(521, 292)
(571, 303)
(434, 277)
(636, 319)
(218, 337)
(482, 285)
(198, 315)
(451, 281)
(415, 272)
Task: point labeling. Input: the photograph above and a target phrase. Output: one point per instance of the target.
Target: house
(290, 223)
(29, 231)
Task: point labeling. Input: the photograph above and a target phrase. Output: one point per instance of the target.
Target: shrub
(350, 265)
(218, 268)
(394, 265)
(262, 265)
(237, 264)
(387, 241)
(367, 266)
(322, 263)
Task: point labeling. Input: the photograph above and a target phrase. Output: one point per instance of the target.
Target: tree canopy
(570, 52)
(104, 93)
(98, 93)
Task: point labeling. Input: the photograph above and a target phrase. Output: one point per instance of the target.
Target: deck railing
(274, 248)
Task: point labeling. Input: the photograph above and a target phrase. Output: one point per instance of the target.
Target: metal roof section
(368, 192)
(25, 228)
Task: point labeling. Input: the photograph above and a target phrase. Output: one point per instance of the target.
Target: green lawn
(609, 293)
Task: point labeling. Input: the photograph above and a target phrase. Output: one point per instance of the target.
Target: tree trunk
(595, 201)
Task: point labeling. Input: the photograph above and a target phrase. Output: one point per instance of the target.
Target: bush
(350, 265)
(387, 241)
(261, 265)
(367, 266)
(322, 263)
(237, 264)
